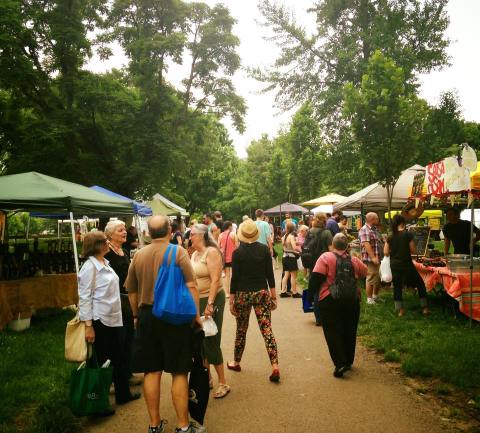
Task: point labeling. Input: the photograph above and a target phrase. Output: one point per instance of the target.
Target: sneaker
(338, 372)
(284, 295)
(296, 295)
(370, 301)
(192, 428)
(378, 300)
(159, 428)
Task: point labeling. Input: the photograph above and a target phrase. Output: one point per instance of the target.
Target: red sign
(436, 178)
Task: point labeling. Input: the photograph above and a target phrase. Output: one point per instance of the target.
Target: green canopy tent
(34, 191)
(163, 206)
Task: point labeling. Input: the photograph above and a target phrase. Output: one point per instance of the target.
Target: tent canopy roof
(36, 191)
(139, 208)
(285, 208)
(163, 206)
(374, 197)
(324, 200)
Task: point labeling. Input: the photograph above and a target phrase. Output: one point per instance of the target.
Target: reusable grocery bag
(385, 270)
(172, 300)
(89, 387)
(198, 383)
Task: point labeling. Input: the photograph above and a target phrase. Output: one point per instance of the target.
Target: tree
(387, 120)
(314, 68)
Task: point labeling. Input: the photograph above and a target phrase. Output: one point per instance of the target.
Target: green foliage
(35, 379)
(130, 131)
(425, 346)
(387, 120)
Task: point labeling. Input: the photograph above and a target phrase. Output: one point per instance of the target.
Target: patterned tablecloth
(24, 296)
(457, 285)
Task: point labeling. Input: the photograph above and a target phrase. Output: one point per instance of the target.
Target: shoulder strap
(167, 253)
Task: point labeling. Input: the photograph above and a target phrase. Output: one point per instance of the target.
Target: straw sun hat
(248, 232)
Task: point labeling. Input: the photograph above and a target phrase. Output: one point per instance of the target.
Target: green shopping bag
(89, 387)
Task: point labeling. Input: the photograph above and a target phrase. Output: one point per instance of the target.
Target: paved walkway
(370, 399)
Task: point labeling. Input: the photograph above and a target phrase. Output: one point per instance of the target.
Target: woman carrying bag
(207, 264)
(100, 310)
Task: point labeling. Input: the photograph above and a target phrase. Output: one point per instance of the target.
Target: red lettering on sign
(436, 178)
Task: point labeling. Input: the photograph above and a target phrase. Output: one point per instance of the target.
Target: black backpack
(311, 249)
(344, 289)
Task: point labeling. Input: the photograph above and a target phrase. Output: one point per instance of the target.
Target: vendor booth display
(31, 280)
(450, 182)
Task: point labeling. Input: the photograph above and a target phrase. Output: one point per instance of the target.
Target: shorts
(160, 346)
(373, 274)
(289, 264)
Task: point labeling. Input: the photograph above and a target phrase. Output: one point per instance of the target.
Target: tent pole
(139, 231)
(75, 254)
(472, 220)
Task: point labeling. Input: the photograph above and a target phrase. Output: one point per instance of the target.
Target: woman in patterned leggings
(253, 286)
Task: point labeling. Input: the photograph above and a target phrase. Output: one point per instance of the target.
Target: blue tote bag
(172, 301)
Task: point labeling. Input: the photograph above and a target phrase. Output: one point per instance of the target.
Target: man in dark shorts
(457, 231)
(160, 346)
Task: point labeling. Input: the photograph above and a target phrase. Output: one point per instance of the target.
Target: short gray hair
(112, 226)
(340, 242)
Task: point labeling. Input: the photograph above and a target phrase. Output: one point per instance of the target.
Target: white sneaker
(370, 301)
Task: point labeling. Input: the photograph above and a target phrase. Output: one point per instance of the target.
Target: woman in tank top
(207, 264)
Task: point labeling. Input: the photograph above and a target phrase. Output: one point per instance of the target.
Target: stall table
(457, 285)
(24, 296)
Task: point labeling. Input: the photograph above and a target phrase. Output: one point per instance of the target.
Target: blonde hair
(112, 226)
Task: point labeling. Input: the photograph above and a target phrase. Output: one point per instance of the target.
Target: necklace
(117, 250)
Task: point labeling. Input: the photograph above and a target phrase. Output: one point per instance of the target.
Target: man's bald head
(372, 218)
(159, 226)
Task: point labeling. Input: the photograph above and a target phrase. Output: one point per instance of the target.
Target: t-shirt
(459, 234)
(144, 269)
(400, 256)
(332, 225)
(264, 230)
(327, 265)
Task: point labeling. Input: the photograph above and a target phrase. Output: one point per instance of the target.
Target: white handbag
(385, 270)
(209, 326)
(75, 344)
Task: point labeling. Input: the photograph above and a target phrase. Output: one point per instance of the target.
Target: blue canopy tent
(140, 209)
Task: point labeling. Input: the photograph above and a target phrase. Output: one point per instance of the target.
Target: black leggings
(407, 277)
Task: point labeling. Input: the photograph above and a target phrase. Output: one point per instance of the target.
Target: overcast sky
(263, 117)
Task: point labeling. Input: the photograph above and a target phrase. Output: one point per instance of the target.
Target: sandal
(222, 390)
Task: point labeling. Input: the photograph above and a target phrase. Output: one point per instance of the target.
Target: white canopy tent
(374, 197)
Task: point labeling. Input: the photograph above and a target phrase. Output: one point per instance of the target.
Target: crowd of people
(221, 264)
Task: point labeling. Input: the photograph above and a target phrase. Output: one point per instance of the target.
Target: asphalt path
(369, 399)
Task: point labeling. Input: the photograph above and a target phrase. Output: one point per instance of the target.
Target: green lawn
(438, 346)
(34, 378)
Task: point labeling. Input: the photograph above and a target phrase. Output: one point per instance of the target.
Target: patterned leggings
(261, 303)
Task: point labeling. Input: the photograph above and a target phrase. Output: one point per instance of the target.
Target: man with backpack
(335, 277)
(317, 242)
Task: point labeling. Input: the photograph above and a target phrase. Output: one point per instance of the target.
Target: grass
(437, 346)
(35, 378)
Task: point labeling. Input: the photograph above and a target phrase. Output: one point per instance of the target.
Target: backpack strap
(167, 253)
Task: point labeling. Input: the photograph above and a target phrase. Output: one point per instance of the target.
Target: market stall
(163, 206)
(451, 182)
(28, 282)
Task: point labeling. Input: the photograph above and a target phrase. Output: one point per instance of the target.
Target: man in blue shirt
(332, 223)
(265, 237)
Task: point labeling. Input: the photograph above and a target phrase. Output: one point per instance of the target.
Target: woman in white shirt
(100, 309)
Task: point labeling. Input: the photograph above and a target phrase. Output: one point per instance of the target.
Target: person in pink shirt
(339, 318)
(228, 244)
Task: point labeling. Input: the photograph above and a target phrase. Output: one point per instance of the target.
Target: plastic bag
(385, 270)
(209, 326)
